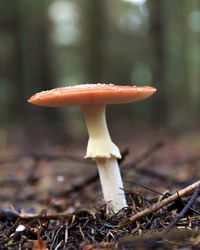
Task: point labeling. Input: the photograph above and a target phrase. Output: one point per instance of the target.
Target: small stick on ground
(185, 209)
(42, 216)
(183, 192)
(148, 153)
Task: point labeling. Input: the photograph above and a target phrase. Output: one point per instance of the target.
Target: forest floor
(53, 200)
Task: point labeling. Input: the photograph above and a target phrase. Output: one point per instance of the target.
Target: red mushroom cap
(85, 94)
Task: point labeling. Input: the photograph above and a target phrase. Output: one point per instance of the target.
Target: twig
(183, 192)
(135, 164)
(45, 216)
(156, 175)
(77, 187)
(188, 160)
(95, 177)
(41, 157)
(148, 153)
(91, 179)
(185, 209)
(50, 157)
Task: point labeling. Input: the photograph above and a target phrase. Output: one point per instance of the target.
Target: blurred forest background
(52, 43)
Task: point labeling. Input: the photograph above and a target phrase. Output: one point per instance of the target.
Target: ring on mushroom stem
(92, 99)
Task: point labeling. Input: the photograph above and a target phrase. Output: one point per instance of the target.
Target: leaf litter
(44, 218)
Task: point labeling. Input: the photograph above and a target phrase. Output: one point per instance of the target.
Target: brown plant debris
(96, 229)
(39, 218)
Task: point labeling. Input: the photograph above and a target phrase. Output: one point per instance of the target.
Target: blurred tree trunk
(158, 64)
(94, 37)
(181, 61)
(30, 67)
(191, 59)
(16, 67)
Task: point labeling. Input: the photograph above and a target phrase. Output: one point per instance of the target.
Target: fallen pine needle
(185, 209)
(181, 193)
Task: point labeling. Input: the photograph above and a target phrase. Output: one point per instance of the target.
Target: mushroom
(92, 99)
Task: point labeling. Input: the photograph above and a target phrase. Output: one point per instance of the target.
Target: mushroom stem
(105, 152)
(99, 143)
(111, 183)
